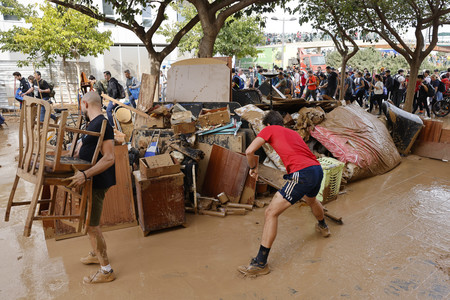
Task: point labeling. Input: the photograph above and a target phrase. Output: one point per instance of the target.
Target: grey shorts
(98, 195)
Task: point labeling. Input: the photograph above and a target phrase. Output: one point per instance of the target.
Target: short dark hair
(420, 76)
(127, 71)
(281, 73)
(17, 74)
(37, 72)
(91, 77)
(107, 73)
(273, 118)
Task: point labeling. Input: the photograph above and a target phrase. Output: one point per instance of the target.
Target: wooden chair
(42, 164)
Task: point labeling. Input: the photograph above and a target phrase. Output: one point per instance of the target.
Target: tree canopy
(238, 36)
(59, 32)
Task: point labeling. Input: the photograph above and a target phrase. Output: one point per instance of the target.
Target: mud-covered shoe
(324, 231)
(91, 258)
(100, 277)
(254, 269)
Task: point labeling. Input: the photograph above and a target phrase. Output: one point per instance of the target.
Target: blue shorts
(304, 182)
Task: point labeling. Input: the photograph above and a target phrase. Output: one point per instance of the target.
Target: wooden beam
(141, 113)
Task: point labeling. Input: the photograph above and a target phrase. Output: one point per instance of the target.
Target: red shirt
(290, 146)
(312, 79)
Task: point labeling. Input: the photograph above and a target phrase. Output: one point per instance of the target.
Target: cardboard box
(213, 117)
(181, 117)
(184, 128)
(155, 122)
(158, 165)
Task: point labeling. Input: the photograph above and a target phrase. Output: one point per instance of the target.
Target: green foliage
(60, 32)
(372, 59)
(238, 36)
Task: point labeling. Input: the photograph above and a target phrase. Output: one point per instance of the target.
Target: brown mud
(394, 244)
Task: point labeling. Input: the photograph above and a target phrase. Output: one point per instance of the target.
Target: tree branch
(88, 11)
(159, 19)
(176, 39)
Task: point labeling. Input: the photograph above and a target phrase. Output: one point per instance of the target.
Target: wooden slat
(227, 172)
(76, 130)
(141, 113)
(271, 176)
(146, 97)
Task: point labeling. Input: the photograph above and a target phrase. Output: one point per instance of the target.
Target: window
(147, 16)
(108, 10)
(318, 60)
(9, 17)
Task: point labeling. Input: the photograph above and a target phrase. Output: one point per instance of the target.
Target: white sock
(106, 269)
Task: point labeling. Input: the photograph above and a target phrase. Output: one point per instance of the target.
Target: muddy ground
(394, 245)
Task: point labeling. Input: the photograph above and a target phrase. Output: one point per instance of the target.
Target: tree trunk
(155, 69)
(342, 83)
(60, 87)
(413, 72)
(206, 46)
(66, 78)
(77, 65)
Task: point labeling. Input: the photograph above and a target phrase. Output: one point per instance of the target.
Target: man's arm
(102, 165)
(252, 159)
(135, 84)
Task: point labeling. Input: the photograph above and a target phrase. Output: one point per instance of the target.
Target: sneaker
(324, 231)
(100, 277)
(253, 269)
(91, 258)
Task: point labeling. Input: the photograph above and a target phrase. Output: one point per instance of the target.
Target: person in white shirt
(243, 76)
(377, 93)
(397, 93)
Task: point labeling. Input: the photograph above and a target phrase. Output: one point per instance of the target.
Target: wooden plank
(432, 150)
(235, 143)
(118, 207)
(140, 113)
(445, 136)
(432, 130)
(227, 172)
(248, 194)
(203, 164)
(146, 97)
(271, 176)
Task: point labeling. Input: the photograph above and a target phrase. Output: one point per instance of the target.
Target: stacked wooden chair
(46, 165)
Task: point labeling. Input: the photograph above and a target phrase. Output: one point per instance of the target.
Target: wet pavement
(394, 244)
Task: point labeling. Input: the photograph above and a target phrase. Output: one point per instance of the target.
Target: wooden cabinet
(160, 201)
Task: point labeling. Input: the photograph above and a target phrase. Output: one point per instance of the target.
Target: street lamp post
(282, 46)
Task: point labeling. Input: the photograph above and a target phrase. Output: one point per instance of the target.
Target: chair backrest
(62, 129)
(33, 135)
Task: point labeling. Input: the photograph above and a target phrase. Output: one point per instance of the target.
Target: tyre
(442, 108)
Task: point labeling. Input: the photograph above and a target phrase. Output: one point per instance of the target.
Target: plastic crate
(331, 182)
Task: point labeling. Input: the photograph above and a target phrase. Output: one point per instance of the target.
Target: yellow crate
(331, 182)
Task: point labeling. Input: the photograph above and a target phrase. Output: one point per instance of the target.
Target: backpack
(431, 92)
(121, 91)
(241, 82)
(396, 84)
(52, 93)
(366, 85)
(441, 87)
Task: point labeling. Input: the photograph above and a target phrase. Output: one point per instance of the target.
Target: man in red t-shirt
(302, 181)
(311, 84)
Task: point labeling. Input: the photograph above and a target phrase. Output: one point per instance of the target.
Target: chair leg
(32, 209)
(88, 210)
(11, 198)
(51, 209)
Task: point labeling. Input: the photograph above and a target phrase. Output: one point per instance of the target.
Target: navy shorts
(304, 182)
